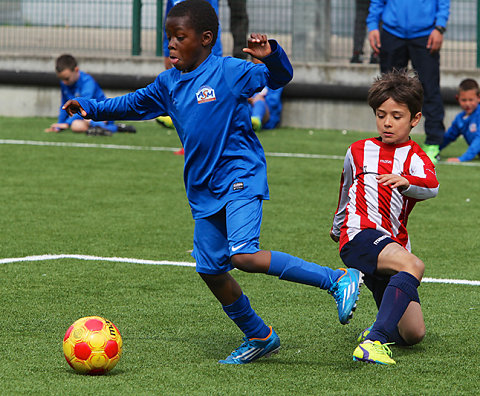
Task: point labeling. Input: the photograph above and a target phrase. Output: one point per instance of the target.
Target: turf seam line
(153, 148)
(46, 257)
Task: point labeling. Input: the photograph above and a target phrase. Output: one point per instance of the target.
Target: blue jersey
(224, 159)
(468, 127)
(408, 19)
(217, 48)
(85, 87)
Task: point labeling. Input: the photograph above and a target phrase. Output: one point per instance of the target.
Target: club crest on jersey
(473, 127)
(205, 94)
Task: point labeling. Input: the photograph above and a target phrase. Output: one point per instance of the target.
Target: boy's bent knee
(394, 258)
(244, 262)
(252, 262)
(414, 335)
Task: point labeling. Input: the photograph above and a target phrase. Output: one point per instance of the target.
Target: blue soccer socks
(401, 289)
(254, 348)
(246, 318)
(294, 269)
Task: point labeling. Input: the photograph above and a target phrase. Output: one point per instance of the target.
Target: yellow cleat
(373, 352)
(364, 334)
(166, 121)
(256, 124)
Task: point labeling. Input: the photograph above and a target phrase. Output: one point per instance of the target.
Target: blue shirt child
(467, 126)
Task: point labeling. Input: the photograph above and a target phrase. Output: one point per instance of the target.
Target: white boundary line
(148, 148)
(46, 257)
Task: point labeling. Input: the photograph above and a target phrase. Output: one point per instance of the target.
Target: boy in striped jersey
(382, 179)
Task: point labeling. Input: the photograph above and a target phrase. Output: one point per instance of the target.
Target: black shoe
(374, 59)
(356, 59)
(126, 128)
(98, 131)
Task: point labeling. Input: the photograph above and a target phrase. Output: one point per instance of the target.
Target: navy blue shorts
(362, 253)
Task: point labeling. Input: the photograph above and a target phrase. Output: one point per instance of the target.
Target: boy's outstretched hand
(258, 46)
(73, 107)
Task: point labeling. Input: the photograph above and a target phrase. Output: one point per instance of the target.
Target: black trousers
(395, 53)
(239, 26)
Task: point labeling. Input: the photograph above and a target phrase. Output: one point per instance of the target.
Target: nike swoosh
(235, 248)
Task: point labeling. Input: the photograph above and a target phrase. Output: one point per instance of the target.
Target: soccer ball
(92, 345)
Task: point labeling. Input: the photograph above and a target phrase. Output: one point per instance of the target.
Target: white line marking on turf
(85, 145)
(46, 257)
(95, 258)
(149, 148)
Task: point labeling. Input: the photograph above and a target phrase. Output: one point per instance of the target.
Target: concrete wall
(345, 113)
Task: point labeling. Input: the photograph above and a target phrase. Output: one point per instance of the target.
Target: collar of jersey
(200, 69)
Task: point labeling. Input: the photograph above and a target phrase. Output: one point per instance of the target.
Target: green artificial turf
(128, 203)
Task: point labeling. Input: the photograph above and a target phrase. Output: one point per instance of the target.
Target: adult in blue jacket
(413, 30)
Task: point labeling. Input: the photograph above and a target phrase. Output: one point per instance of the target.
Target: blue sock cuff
(407, 283)
(277, 263)
(238, 308)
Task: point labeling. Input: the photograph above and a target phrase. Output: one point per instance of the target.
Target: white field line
(46, 257)
(148, 148)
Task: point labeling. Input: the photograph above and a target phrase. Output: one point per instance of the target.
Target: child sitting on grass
(466, 122)
(75, 83)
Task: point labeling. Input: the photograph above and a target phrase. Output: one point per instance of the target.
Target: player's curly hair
(202, 16)
(403, 86)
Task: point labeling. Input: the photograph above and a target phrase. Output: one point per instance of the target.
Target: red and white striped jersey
(364, 203)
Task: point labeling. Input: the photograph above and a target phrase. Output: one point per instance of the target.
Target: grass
(131, 203)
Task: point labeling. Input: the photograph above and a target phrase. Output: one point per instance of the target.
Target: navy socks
(294, 269)
(246, 319)
(401, 289)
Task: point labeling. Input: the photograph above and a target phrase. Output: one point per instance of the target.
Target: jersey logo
(205, 94)
(237, 186)
(472, 127)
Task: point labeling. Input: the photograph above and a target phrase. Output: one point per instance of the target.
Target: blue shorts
(233, 230)
(362, 253)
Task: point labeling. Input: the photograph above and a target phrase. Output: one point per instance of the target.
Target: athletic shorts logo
(205, 94)
(235, 248)
(378, 240)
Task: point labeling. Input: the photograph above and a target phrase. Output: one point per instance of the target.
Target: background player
(467, 122)
(225, 167)
(382, 179)
(75, 83)
(413, 31)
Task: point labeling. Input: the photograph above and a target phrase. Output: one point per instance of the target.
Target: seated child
(382, 179)
(76, 83)
(466, 122)
(266, 108)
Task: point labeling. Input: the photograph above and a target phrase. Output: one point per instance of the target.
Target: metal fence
(309, 30)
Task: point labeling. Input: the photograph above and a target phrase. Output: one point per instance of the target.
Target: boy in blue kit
(467, 122)
(225, 168)
(75, 83)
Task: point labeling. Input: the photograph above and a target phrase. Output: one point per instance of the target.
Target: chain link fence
(309, 30)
